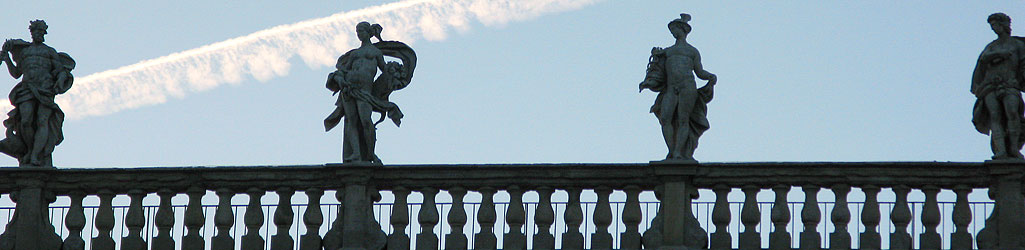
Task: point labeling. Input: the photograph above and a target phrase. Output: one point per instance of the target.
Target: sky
(524, 82)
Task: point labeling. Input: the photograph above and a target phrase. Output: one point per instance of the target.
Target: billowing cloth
(32, 92)
(999, 87)
(395, 77)
(980, 116)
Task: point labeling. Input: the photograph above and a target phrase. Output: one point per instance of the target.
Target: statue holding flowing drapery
(360, 94)
(997, 82)
(680, 106)
(34, 125)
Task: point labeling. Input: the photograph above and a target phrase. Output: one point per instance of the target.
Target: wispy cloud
(264, 54)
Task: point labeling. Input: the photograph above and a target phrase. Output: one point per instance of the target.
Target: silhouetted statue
(680, 106)
(362, 94)
(34, 125)
(997, 82)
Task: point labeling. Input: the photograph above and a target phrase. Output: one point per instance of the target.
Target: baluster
(870, 239)
(377, 238)
(987, 236)
(750, 239)
(721, 238)
(164, 220)
(194, 219)
(696, 237)
(223, 220)
(652, 238)
(428, 218)
(544, 217)
(515, 218)
(333, 238)
(313, 219)
(810, 216)
(283, 215)
(840, 239)
(456, 240)
(75, 222)
(780, 215)
(486, 217)
(104, 221)
(572, 239)
(134, 220)
(631, 239)
(900, 239)
(961, 239)
(930, 239)
(253, 220)
(602, 239)
(399, 219)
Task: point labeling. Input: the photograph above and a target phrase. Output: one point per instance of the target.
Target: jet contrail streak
(264, 54)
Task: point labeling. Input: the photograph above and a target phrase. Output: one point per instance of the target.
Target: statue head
(38, 29)
(679, 27)
(1000, 23)
(364, 31)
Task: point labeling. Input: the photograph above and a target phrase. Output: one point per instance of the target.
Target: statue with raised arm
(360, 94)
(997, 82)
(680, 105)
(34, 125)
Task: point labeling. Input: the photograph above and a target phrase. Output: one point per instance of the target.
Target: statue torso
(36, 65)
(363, 66)
(1002, 59)
(680, 65)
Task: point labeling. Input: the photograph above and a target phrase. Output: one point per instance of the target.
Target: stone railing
(354, 225)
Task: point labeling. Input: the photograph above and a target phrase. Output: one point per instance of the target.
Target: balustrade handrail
(646, 176)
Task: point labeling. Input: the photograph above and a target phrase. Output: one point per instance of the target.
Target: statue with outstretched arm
(34, 125)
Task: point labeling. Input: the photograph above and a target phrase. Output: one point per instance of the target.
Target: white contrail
(264, 54)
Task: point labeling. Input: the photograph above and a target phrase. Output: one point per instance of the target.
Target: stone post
(1007, 177)
(679, 228)
(30, 227)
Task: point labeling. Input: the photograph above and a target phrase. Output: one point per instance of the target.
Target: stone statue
(680, 106)
(34, 125)
(362, 94)
(997, 82)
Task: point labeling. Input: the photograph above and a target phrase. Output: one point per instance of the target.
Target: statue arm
(700, 71)
(13, 69)
(382, 64)
(6, 57)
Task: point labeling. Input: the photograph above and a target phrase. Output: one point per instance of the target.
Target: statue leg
(351, 136)
(1012, 116)
(996, 126)
(42, 134)
(683, 128)
(670, 121)
(668, 133)
(27, 132)
(369, 131)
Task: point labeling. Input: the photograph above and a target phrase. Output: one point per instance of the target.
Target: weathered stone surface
(997, 82)
(680, 106)
(34, 126)
(359, 94)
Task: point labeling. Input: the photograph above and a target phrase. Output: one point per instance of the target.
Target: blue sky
(798, 81)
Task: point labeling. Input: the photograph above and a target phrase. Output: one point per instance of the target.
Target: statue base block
(674, 162)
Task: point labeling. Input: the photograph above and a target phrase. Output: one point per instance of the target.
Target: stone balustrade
(357, 187)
